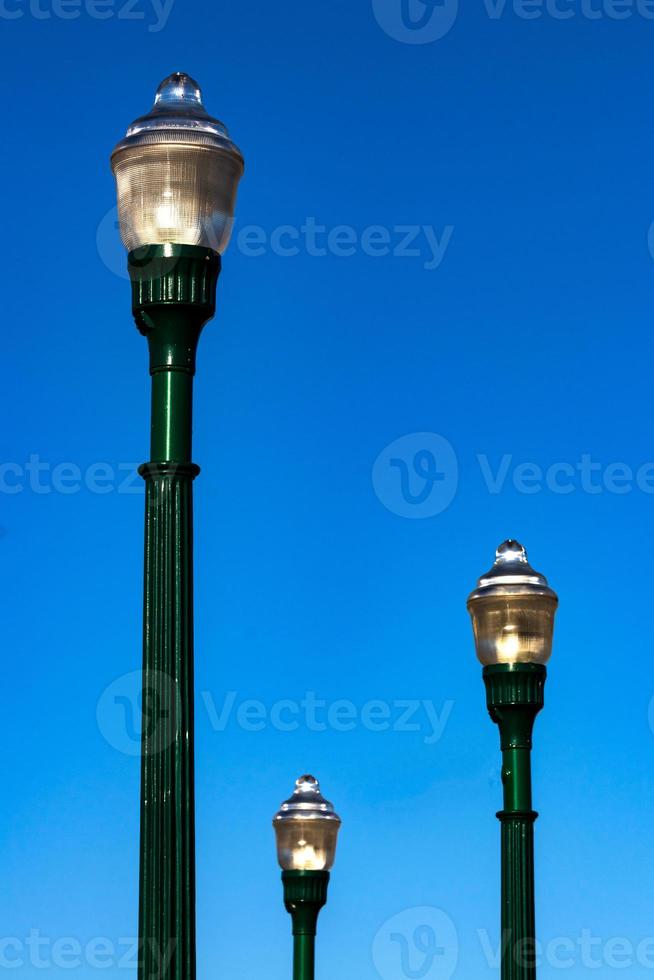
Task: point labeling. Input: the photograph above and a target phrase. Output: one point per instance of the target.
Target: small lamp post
(306, 828)
(512, 612)
(176, 173)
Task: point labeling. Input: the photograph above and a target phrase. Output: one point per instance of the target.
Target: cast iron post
(173, 293)
(305, 893)
(515, 695)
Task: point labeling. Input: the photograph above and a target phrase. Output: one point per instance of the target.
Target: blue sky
(480, 289)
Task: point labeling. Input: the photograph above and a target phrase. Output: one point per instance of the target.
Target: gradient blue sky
(530, 139)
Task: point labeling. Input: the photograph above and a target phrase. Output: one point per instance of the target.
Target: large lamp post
(306, 829)
(512, 612)
(177, 174)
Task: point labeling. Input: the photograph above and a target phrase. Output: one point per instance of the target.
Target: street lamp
(512, 612)
(306, 829)
(177, 174)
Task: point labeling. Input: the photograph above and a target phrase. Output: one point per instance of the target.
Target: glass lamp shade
(177, 173)
(306, 828)
(512, 611)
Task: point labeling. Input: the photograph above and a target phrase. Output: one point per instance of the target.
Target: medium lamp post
(512, 612)
(177, 174)
(306, 829)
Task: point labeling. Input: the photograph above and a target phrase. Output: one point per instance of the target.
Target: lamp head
(512, 610)
(306, 829)
(177, 172)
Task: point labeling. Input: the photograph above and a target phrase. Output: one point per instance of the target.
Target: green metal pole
(173, 296)
(305, 893)
(515, 695)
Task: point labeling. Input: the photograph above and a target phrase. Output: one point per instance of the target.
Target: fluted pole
(173, 292)
(515, 695)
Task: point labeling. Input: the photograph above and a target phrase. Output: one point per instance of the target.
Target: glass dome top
(307, 803)
(511, 574)
(179, 116)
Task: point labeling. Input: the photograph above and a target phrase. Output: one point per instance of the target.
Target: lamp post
(306, 829)
(512, 612)
(177, 174)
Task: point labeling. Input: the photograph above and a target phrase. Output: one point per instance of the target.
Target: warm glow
(508, 646)
(166, 216)
(306, 858)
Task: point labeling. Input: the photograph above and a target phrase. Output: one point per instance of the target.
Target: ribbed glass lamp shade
(177, 173)
(306, 829)
(512, 611)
